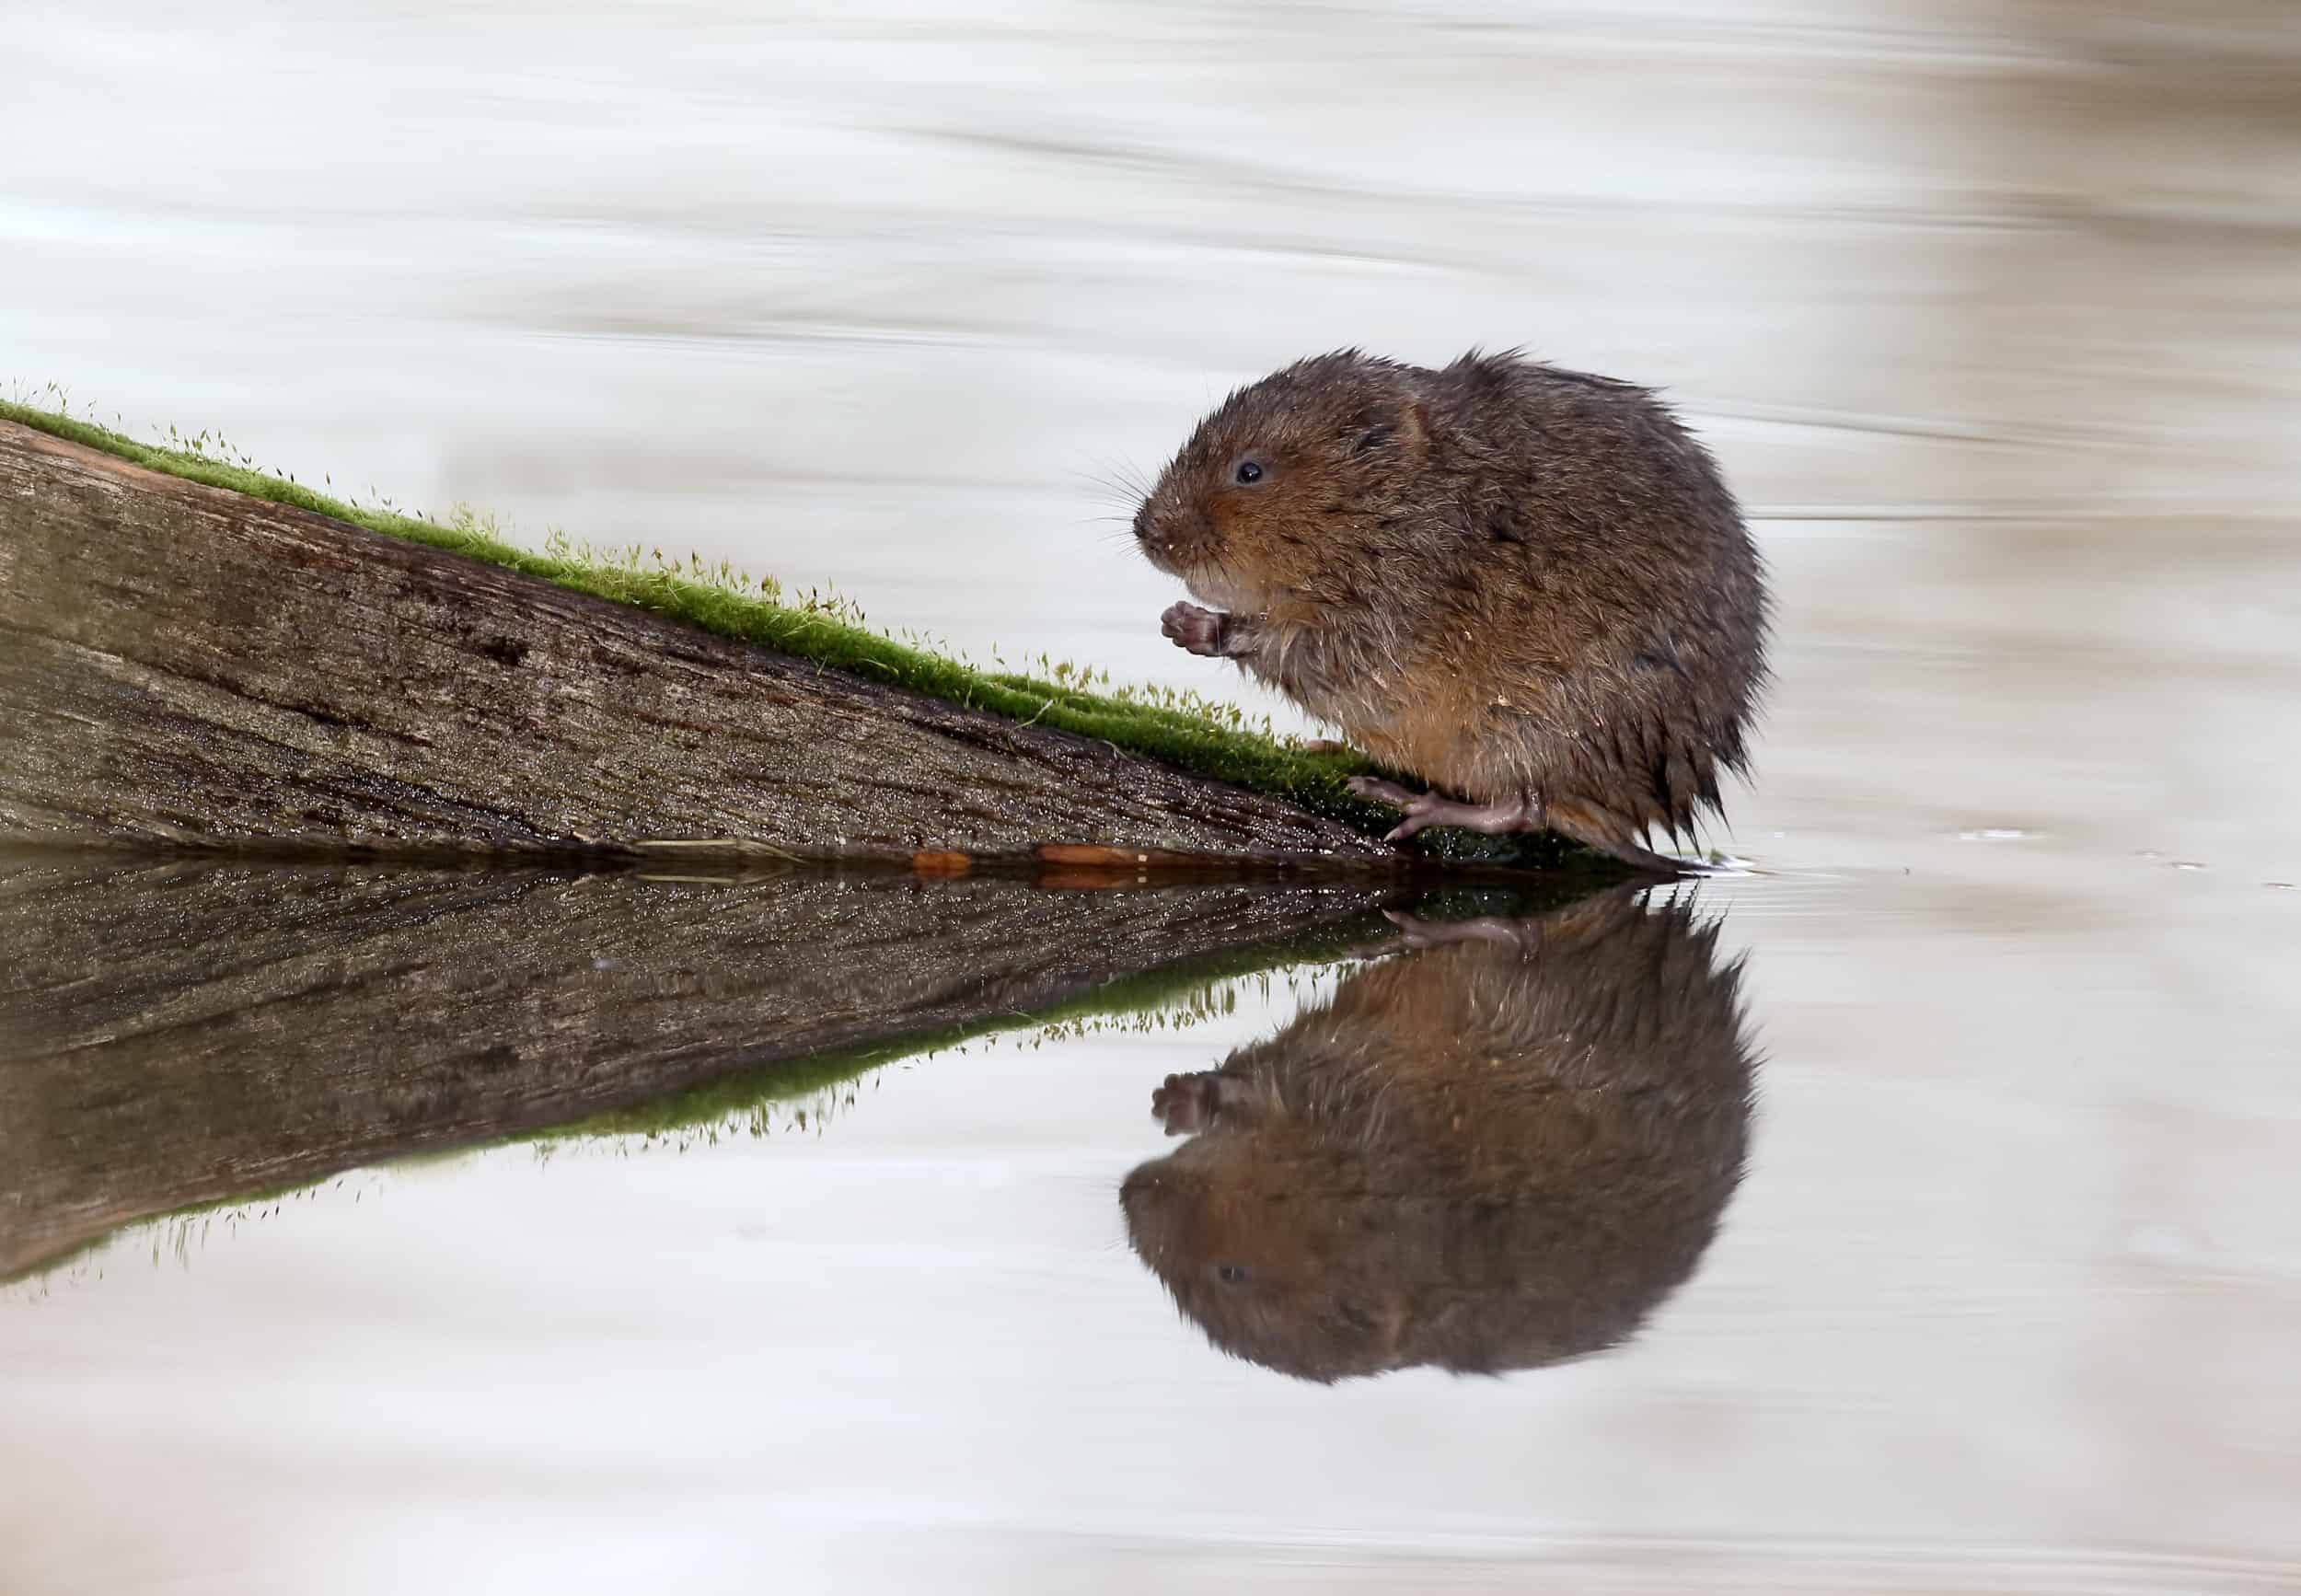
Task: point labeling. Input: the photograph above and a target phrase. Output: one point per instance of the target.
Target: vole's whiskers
(1119, 484)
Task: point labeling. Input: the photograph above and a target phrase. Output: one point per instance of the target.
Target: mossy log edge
(185, 666)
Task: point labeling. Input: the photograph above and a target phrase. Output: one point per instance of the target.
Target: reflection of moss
(1169, 986)
(1175, 732)
(716, 1100)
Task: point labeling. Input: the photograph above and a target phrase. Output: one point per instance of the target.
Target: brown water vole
(1493, 1153)
(1527, 586)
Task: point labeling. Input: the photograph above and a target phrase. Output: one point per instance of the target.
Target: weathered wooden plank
(180, 1033)
(188, 665)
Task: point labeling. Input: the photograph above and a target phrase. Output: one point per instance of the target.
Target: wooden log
(184, 665)
(187, 1032)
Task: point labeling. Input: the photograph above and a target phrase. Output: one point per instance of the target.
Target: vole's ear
(1395, 422)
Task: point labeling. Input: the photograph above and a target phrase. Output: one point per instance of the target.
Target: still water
(1990, 313)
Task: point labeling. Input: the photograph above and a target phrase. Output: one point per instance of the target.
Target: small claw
(1421, 811)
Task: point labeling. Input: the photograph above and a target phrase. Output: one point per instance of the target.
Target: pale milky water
(1990, 313)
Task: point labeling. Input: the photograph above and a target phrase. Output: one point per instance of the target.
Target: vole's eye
(1248, 472)
(1231, 1273)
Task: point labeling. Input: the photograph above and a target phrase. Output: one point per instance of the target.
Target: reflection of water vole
(1493, 1153)
(1527, 586)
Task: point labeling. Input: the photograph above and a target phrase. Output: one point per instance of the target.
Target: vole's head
(1286, 474)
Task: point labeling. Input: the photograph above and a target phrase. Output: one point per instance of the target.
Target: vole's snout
(1146, 1200)
(1160, 530)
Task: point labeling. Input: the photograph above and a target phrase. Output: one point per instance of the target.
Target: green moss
(1180, 730)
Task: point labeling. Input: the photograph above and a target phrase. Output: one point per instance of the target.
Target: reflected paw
(1185, 1103)
(1417, 934)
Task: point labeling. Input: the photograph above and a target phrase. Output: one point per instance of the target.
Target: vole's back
(1604, 616)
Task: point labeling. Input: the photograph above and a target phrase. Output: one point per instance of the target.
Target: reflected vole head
(1332, 1264)
(1284, 472)
(1263, 1284)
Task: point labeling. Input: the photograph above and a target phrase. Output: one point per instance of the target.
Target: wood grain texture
(187, 666)
(185, 1032)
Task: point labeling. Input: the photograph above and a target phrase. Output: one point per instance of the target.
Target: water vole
(1527, 586)
(1496, 1151)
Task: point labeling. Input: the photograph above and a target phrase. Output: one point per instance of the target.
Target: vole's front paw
(1199, 631)
(1185, 1103)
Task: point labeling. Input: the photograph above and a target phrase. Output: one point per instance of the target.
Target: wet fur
(1509, 579)
(1482, 1156)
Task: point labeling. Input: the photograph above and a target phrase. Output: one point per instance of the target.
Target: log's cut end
(185, 666)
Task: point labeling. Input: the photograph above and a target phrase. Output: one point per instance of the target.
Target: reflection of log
(181, 664)
(184, 1032)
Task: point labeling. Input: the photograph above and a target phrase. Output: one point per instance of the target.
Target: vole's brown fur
(1488, 1154)
(1527, 586)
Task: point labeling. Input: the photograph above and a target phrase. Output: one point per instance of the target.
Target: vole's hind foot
(1673, 864)
(1430, 809)
(1587, 826)
(1655, 863)
(1637, 856)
